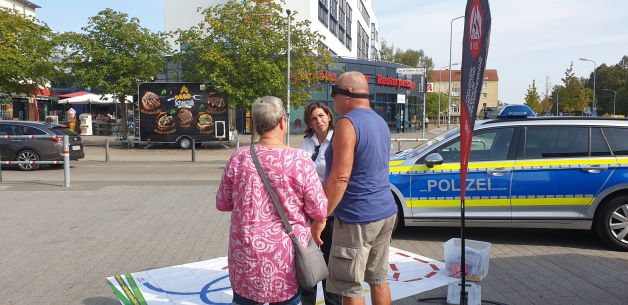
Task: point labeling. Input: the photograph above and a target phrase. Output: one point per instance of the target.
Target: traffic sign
(420, 71)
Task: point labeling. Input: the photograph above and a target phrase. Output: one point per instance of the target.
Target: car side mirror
(433, 159)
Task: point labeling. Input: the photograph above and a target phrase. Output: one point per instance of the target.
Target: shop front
(396, 98)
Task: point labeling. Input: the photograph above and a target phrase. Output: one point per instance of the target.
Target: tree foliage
(409, 57)
(532, 98)
(26, 47)
(572, 96)
(241, 48)
(114, 54)
(614, 77)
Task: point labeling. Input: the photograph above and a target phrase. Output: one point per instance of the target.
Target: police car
(542, 172)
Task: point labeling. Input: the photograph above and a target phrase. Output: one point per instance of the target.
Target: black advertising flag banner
(477, 31)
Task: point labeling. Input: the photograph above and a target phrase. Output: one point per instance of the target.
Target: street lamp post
(614, 98)
(451, 26)
(556, 102)
(288, 80)
(440, 90)
(594, 68)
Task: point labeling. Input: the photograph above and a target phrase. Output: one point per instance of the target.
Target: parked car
(556, 172)
(511, 111)
(37, 149)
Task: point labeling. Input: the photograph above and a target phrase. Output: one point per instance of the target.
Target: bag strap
(271, 192)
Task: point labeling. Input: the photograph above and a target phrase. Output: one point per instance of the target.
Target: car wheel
(399, 222)
(28, 155)
(611, 223)
(185, 143)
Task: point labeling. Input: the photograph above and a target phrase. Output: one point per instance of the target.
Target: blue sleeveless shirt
(368, 197)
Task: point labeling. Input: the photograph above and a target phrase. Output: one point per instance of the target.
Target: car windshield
(62, 131)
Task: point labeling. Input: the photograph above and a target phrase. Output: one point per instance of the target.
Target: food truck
(181, 112)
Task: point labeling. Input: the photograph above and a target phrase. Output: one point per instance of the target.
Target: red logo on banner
(475, 29)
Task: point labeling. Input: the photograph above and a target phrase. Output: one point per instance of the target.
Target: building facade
(24, 7)
(489, 97)
(349, 27)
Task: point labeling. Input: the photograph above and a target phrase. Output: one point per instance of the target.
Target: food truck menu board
(168, 111)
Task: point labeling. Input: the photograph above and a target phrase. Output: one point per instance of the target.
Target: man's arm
(343, 145)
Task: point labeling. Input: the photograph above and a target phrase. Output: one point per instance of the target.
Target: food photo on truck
(182, 114)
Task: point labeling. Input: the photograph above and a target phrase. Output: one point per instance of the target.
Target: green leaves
(115, 53)
(532, 98)
(241, 48)
(26, 49)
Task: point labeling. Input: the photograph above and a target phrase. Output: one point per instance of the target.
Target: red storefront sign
(395, 82)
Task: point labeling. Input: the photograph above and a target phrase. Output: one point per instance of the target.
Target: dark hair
(308, 113)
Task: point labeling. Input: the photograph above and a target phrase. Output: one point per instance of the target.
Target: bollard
(66, 161)
(238, 142)
(193, 150)
(107, 150)
(398, 145)
(1, 168)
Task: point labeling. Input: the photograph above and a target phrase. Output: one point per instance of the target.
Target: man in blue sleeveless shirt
(359, 195)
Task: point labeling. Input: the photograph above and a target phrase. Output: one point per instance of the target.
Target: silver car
(569, 173)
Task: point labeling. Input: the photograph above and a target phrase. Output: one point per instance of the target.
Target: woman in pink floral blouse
(261, 255)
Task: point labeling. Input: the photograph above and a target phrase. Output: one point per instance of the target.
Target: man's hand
(317, 228)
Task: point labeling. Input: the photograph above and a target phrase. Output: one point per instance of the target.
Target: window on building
(364, 13)
(362, 42)
(333, 17)
(484, 85)
(348, 22)
(323, 11)
(341, 21)
(484, 95)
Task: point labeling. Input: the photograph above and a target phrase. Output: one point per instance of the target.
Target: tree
(613, 77)
(572, 95)
(241, 48)
(532, 98)
(409, 57)
(26, 47)
(114, 54)
(547, 99)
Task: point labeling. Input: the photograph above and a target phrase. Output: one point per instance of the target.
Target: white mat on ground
(207, 282)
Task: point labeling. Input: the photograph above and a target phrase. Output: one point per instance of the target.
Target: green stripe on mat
(118, 294)
(136, 290)
(127, 290)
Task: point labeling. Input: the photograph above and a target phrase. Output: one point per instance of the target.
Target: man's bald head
(353, 81)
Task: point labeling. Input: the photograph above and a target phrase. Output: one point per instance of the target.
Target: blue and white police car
(542, 172)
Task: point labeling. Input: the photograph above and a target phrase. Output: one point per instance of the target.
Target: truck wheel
(28, 155)
(611, 223)
(185, 143)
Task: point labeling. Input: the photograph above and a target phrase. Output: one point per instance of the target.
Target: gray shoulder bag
(309, 262)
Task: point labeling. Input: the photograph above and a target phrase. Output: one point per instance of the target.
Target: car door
(556, 176)
(8, 147)
(436, 190)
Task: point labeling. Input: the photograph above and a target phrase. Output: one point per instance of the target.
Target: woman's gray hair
(267, 112)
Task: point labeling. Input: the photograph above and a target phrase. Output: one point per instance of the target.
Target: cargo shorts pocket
(344, 264)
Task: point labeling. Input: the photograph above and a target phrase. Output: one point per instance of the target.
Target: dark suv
(37, 149)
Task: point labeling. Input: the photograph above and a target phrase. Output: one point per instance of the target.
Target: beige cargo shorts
(359, 253)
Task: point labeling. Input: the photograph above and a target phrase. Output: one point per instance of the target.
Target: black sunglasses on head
(336, 90)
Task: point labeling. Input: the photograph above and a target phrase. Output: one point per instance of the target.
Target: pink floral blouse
(261, 255)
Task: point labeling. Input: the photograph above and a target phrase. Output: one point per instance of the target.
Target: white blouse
(309, 144)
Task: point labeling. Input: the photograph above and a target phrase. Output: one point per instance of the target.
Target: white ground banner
(207, 282)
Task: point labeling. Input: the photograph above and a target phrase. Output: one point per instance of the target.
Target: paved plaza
(151, 208)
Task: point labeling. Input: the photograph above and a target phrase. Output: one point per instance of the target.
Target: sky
(530, 39)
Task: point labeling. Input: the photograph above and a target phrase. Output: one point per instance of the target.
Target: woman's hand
(317, 228)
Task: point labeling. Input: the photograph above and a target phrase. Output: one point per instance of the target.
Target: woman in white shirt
(320, 129)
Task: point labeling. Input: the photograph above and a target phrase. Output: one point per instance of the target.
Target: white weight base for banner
(207, 282)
